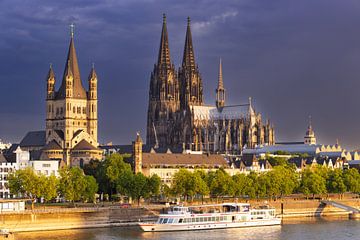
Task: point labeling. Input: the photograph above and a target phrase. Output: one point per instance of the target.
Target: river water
(314, 229)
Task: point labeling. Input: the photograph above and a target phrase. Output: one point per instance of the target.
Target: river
(313, 228)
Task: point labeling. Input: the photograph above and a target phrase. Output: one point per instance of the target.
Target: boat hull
(154, 227)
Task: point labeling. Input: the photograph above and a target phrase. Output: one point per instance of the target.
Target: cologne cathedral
(178, 117)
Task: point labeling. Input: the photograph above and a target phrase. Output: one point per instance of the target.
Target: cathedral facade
(178, 117)
(71, 114)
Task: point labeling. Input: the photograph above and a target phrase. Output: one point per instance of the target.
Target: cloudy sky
(294, 58)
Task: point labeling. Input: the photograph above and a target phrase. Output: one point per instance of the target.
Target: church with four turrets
(178, 117)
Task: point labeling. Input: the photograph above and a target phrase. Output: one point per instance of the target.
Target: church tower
(189, 76)
(72, 111)
(220, 90)
(163, 96)
(310, 135)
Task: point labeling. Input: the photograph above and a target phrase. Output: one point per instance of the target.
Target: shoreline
(88, 218)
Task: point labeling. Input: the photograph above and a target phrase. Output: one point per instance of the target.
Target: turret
(310, 135)
(220, 90)
(92, 84)
(50, 79)
(69, 79)
(137, 153)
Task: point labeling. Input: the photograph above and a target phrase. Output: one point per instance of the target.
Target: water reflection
(296, 229)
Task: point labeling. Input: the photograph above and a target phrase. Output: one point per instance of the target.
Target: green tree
(49, 187)
(91, 188)
(335, 182)
(220, 184)
(312, 182)
(352, 180)
(200, 186)
(26, 183)
(139, 187)
(112, 170)
(240, 184)
(72, 183)
(182, 184)
(154, 183)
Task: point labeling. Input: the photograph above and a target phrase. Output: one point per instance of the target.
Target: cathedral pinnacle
(189, 57)
(220, 83)
(164, 51)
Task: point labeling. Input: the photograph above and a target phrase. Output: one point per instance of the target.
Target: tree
(182, 184)
(352, 180)
(113, 169)
(240, 184)
(312, 182)
(139, 187)
(335, 182)
(220, 183)
(277, 161)
(49, 187)
(154, 183)
(198, 181)
(72, 183)
(91, 188)
(27, 183)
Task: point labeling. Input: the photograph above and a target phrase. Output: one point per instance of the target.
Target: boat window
(221, 218)
(170, 220)
(217, 219)
(197, 219)
(201, 219)
(165, 220)
(213, 219)
(193, 219)
(180, 220)
(209, 219)
(160, 220)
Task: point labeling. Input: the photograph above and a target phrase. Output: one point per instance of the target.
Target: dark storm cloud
(295, 58)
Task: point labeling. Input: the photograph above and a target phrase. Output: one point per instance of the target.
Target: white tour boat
(226, 215)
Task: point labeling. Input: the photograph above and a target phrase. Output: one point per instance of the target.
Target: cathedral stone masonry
(177, 116)
(71, 114)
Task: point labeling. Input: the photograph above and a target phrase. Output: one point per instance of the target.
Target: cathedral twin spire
(188, 58)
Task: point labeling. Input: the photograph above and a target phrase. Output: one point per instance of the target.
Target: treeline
(280, 181)
(72, 185)
(115, 177)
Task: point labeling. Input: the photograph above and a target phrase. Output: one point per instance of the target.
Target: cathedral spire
(220, 82)
(220, 90)
(73, 67)
(164, 50)
(189, 57)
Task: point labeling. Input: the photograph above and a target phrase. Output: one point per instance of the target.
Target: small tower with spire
(137, 153)
(50, 79)
(310, 138)
(220, 90)
(92, 103)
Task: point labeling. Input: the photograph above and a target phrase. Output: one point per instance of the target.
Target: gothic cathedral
(177, 116)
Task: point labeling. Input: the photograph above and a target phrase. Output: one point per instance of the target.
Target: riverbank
(115, 216)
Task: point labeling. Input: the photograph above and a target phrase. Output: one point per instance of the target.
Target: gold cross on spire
(72, 29)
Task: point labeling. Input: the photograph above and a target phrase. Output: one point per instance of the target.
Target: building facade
(177, 115)
(71, 114)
